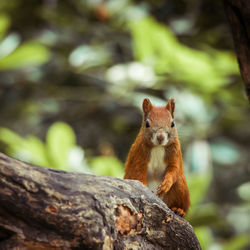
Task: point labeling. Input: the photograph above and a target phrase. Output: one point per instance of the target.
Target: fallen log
(44, 208)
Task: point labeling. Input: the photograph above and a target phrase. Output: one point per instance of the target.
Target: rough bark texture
(49, 209)
(238, 13)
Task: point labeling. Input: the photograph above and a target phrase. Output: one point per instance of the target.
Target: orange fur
(173, 186)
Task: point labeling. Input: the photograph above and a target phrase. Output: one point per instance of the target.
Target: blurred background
(73, 75)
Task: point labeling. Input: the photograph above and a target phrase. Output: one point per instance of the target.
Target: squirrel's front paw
(163, 188)
(160, 191)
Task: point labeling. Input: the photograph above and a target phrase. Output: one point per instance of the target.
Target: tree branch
(238, 13)
(50, 209)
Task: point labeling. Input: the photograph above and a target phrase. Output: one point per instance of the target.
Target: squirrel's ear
(146, 105)
(171, 106)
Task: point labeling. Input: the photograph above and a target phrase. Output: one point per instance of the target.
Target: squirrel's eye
(172, 124)
(147, 124)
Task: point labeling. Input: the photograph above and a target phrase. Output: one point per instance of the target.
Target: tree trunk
(238, 13)
(45, 208)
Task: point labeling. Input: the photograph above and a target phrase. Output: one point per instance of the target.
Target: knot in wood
(51, 209)
(127, 222)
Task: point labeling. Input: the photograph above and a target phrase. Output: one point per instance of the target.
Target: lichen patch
(168, 218)
(108, 244)
(132, 246)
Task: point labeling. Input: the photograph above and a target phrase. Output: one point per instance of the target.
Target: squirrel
(155, 157)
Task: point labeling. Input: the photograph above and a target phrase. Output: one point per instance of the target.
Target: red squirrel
(155, 157)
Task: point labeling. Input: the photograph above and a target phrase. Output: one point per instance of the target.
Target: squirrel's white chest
(156, 168)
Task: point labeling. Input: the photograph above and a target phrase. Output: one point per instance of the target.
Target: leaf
(37, 150)
(9, 44)
(244, 191)
(4, 24)
(13, 141)
(88, 56)
(60, 140)
(9, 137)
(107, 166)
(156, 45)
(29, 149)
(27, 54)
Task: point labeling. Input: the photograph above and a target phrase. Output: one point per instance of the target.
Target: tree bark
(238, 13)
(45, 208)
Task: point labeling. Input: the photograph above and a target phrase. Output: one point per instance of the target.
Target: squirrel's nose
(160, 138)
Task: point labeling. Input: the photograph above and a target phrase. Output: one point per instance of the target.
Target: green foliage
(237, 242)
(12, 56)
(202, 215)
(60, 140)
(55, 153)
(200, 181)
(27, 54)
(199, 215)
(204, 236)
(4, 24)
(88, 56)
(29, 149)
(156, 45)
(107, 166)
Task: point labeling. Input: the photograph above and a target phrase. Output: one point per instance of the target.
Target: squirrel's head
(158, 124)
